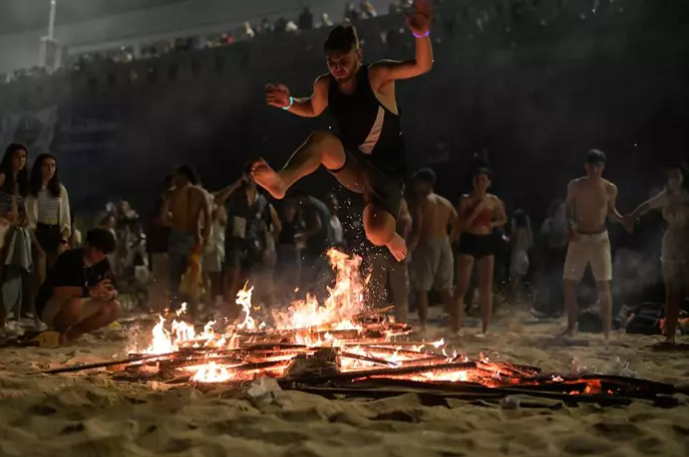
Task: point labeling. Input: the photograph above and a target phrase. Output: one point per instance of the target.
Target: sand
(90, 415)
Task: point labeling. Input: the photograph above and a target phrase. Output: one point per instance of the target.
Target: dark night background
(533, 90)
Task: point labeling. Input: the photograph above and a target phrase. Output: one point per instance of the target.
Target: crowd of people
(304, 21)
(204, 246)
(354, 12)
(70, 290)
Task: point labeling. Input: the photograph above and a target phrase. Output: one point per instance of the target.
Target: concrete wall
(192, 17)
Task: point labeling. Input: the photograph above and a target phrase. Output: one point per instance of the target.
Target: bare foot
(269, 179)
(397, 247)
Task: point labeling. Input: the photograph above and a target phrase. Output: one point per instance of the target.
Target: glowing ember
(211, 372)
(362, 340)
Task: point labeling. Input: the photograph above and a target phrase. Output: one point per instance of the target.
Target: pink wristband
(422, 35)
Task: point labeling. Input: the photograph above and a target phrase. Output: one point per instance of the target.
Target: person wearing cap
(590, 201)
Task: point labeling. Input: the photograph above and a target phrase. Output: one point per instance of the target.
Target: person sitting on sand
(78, 295)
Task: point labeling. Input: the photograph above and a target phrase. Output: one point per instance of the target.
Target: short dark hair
(342, 38)
(425, 175)
(101, 239)
(189, 172)
(594, 156)
(483, 171)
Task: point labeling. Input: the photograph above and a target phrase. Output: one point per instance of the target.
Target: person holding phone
(79, 294)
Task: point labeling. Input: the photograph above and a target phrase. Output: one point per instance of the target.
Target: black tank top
(366, 126)
(254, 214)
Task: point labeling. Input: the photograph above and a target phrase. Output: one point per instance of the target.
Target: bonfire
(341, 346)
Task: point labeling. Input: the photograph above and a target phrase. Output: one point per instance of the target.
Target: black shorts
(359, 174)
(49, 237)
(476, 246)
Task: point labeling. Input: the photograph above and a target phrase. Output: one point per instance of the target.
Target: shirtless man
(367, 154)
(432, 261)
(590, 200)
(184, 209)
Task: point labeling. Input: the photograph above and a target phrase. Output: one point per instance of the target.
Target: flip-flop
(47, 340)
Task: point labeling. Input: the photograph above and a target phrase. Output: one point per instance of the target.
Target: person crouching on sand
(78, 295)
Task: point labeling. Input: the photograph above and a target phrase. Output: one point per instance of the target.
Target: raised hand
(420, 17)
(277, 95)
(628, 222)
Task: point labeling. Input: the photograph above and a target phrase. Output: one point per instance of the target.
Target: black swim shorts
(381, 188)
(476, 246)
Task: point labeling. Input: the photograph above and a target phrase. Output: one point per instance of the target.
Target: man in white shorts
(590, 200)
(78, 295)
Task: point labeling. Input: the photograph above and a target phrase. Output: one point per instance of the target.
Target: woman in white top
(48, 214)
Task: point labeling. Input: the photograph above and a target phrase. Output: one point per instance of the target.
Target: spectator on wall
(306, 19)
(367, 10)
(325, 20)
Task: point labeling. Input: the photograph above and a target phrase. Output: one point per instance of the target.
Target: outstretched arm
(419, 22)
(313, 106)
(649, 205)
(221, 196)
(612, 205)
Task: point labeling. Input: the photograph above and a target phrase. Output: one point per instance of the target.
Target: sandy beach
(88, 414)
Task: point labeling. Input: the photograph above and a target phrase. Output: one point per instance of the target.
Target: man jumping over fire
(367, 154)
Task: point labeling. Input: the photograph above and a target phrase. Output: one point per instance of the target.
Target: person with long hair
(673, 202)
(48, 214)
(478, 215)
(14, 187)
